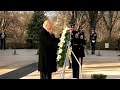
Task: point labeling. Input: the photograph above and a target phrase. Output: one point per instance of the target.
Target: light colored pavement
(108, 64)
(111, 69)
(9, 62)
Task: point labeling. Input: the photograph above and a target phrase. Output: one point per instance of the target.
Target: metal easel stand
(64, 66)
(65, 62)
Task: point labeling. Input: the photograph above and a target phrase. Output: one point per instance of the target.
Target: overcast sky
(51, 13)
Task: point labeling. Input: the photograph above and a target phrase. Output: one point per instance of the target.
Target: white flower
(60, 51)
(58, 57)
(62, 38)
(64, 32)
(60, 44)
(63, 41)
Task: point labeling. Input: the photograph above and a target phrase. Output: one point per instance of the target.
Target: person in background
(3, 40)
(93, 37)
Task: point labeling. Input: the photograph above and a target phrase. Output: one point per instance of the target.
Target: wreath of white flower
(61, 54)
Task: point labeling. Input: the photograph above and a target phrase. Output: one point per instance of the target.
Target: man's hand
(68, 29)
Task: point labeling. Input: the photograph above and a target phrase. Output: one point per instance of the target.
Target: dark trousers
(3, 44)
(93, 48)
(75, 66)
(45, 75)
(70, 65)
(81, 61)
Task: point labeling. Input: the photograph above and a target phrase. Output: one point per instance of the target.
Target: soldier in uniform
(93, 37)
(77, 43)
(3, 37)
(82, 44)
(118, 43)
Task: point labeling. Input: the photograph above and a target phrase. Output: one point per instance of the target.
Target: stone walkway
(111, 69)
(108, 63)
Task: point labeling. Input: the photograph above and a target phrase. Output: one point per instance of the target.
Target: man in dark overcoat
(47, 51)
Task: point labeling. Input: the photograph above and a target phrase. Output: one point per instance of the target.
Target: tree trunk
(109, 36)
(108, 40)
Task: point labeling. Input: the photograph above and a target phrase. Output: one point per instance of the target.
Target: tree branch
(115, 19)
(100, 16)
(81, 19)
(105, 21)
(88, 19)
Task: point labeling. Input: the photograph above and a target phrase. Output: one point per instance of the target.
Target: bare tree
(60, 20)
(110, 18)
(19, 25)
(80, 18)
(5, 19)
(17, 28)
(92, 18)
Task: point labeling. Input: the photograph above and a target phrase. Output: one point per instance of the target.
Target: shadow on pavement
(18, 73)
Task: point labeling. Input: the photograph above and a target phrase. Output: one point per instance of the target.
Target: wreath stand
(66, 59)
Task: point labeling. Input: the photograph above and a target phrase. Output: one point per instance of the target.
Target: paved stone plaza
(21, 66)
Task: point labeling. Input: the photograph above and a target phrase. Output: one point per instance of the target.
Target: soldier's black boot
(92, 53)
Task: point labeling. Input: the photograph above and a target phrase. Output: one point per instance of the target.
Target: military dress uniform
(93, 37)
(3, 43)
(77, 42)
(82, 43)
(118, 44)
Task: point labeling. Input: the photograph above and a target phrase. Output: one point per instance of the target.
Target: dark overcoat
(47, 52)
